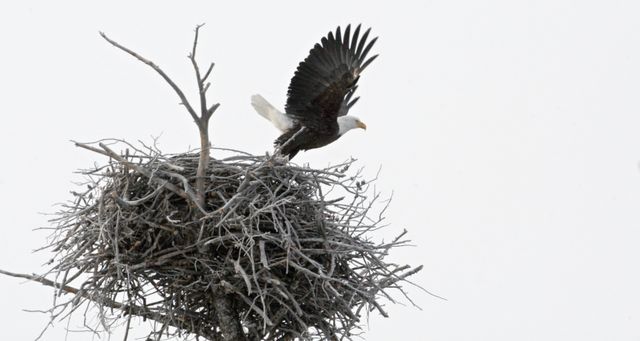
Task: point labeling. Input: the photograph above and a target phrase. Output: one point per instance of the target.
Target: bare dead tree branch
(203, 120)
(173, 85)
(196, 68)
(106, 302)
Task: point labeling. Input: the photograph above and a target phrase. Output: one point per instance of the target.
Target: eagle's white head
(348, 122)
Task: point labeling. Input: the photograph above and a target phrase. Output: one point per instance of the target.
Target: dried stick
(173, 85)
(129, 309)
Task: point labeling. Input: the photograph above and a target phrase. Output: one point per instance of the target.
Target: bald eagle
(321, 93)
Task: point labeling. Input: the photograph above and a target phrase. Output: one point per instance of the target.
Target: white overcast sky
(509, 132)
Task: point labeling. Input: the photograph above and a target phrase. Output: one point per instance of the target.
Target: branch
(43, 281)
(206, 74)
(203, 124)
(192, 57)
(212, 109)
(130, 309)
(205, 113)
(173, 85)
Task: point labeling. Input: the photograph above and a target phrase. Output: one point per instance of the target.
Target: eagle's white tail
(268, 111)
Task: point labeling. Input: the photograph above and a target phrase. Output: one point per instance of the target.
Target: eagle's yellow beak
(360, 124)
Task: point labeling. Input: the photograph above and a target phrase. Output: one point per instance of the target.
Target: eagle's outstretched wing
(322, 86)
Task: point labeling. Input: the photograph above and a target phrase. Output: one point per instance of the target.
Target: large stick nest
(285, 245)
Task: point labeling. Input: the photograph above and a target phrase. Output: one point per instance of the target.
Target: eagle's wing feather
(323, 85)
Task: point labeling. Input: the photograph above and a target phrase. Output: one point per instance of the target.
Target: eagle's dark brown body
(305, 140)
